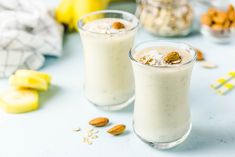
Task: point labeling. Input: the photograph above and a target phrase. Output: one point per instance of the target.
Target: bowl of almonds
(219, 25)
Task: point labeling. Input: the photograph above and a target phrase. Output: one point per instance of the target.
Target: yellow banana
(82, 7)
(19, 100)
(64, 12)
(70, 11)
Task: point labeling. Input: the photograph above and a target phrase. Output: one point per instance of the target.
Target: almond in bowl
(219, 25)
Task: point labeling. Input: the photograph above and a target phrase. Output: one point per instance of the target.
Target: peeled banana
(18, 100)
(32, 82)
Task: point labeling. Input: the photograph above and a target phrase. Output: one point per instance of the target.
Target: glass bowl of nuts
(166, 18)
(219, 25)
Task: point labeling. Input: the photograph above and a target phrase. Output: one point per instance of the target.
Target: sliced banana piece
(31, 73)
(19, 100)
(29, 82)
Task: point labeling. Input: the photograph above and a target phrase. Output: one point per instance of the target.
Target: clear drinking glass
(161, 110)
(109, 81)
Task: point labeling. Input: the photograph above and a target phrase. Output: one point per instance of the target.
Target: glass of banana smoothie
(162, 73)
(107, 37)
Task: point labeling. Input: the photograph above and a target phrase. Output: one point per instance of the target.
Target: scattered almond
(172, 58)
(117, 129)
(118, 25)
(200, 56)
(99, 122)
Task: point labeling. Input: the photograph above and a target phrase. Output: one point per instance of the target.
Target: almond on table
(117, 129)
(99, 122)
(200, 56)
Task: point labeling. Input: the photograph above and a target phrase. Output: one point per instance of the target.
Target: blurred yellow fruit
(19, 100)
(32, 82)
(84, 7)
(31, 73)
(64, 12)
(69, 12)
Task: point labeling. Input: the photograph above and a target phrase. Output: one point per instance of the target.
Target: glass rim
(163, 66)
(80, 25)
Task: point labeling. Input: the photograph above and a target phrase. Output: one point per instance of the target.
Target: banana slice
(19, 100)
(29, 73)
(29, 82)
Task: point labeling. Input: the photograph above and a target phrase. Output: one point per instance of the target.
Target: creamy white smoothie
(162, 80)
(109, 81)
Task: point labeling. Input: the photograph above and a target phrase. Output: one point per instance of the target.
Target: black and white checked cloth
(27, 32)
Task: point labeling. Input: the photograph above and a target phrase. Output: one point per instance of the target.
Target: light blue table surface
(48, 132)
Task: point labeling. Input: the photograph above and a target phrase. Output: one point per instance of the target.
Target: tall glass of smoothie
(162, 73)
(107, 37)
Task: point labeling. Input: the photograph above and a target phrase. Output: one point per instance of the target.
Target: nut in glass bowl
(219, 25)
(165, 18)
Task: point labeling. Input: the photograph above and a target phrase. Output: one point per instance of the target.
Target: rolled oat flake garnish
(148, 60)
(90, 135)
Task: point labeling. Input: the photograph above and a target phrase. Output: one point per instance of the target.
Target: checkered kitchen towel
(27, 32)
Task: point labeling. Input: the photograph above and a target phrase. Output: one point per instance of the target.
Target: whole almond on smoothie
(172, 58)
(99, 122)
(118, 25)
